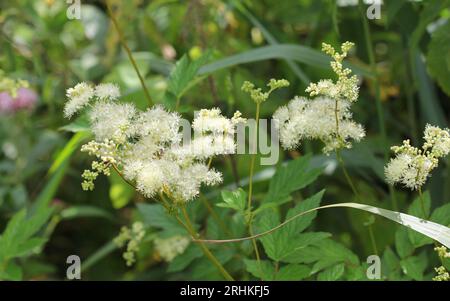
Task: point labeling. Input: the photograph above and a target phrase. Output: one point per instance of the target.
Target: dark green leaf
(332, 274)
(293, 176)
(292, 272)
(234, 199)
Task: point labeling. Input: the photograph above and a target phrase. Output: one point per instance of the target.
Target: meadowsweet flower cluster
(213, 134)
(346, 86)
(132, 238)
(82, 94)
(326, 117)
(169, 248)
(442, 252)
(442, 273)
(316, 119)
(146, 146)
(412, 166)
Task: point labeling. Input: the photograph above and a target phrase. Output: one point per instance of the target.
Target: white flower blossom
(79, 96)
(212, 121)
(107, 91)
(146, 147)
(160, 125)
(412, 166)
(316, 119)
(169, 248)
(112, 120)
(326, 117)
(152, 176)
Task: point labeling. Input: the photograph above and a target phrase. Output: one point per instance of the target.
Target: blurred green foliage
(196, 54)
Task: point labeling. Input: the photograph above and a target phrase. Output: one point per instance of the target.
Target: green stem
(355, 192)
(128, 51)
(214, 215)
(422, 203)
(376, 82)
(372, 240)
(250, 186)
(253, 159)
(204, 248)
(346, 174)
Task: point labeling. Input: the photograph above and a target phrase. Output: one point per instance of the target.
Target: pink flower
(26, 98)
(6, 103)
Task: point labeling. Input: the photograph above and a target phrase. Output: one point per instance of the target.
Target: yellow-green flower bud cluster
(132, 238)
(169, 248)
(412, 166)
(346, 86)
(257, 95)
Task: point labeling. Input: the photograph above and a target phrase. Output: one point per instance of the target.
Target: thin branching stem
(422, 203)
(376, 82)
(204, 248)
(357, 195)
(214, 215)
(255, 236)
(190, 229)
(121, 175)
(250, 186)
(128, 51)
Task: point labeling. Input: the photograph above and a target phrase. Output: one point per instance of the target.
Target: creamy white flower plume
(316, 119)
(146, 147)
(412, 166)
(160, 125)
(169, 248)
(107, 91)
(79, 96)
(326, 117)
(112, 120)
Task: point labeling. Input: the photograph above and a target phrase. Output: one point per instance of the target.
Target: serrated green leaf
(155, 215)
(301, 223)
(182, 77)
(16, 240)
(234, 199)
(324, 253)
(438, 57)
(28, 247)
(285, 241)
(263, 269)
(403, 245)
(8, 242)
(203, 269)
(274, 244)
(300, 242)
(292, 272)
(441, 215)
(417, 209)
(295, 175)
(332, 274)
(390, 265)
(180, 262)
(414, 266)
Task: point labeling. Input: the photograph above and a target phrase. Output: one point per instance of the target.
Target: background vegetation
(198, 53)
